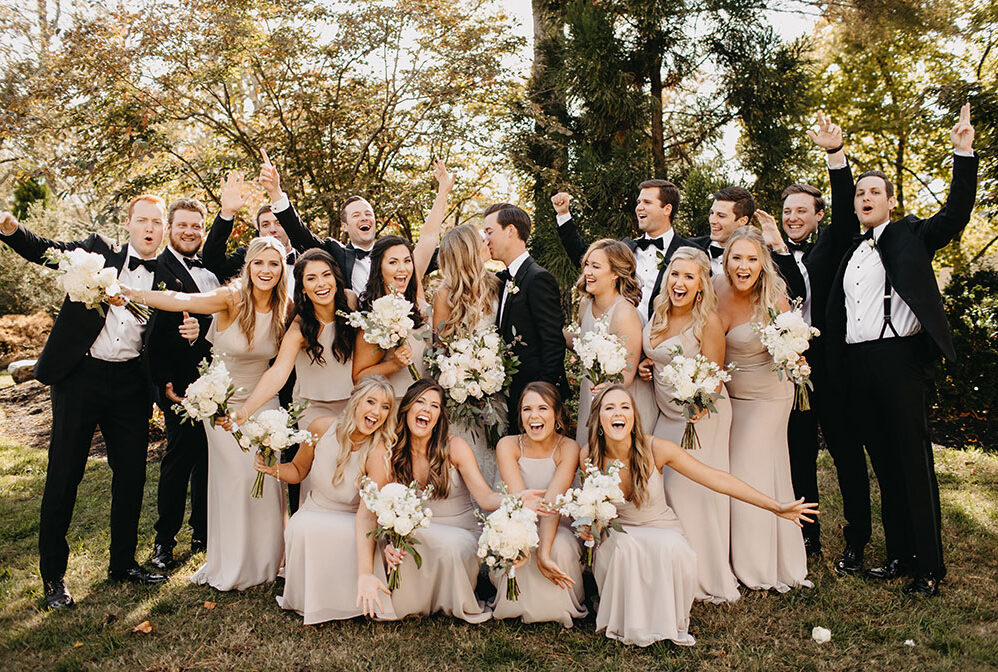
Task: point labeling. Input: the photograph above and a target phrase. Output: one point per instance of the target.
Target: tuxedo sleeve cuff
(959, 152)
(281, 204)
(224, 218)
(561, 219)
(836, 166)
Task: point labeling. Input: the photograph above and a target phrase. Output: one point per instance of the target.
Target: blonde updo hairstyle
(622, 264)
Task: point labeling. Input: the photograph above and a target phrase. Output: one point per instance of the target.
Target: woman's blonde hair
(347, 423)
(705, 302)
(471, 289)
(769, 287)
(278, 297)
(640, 462)
(622, 264)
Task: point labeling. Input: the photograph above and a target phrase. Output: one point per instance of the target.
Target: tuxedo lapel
(349, 259)
(178, 269)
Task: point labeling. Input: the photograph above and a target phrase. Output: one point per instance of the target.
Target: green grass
(247, 631)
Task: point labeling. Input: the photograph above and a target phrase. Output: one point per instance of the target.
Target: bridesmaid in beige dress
(245, 534)
(320, 566)
(686, 316)
(647, 577)
(610, 290)
(424, 452)
(542, 458)
(765, 553)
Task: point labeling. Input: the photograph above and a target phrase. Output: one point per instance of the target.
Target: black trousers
(114, 397)
(895, 378)
(185, 462)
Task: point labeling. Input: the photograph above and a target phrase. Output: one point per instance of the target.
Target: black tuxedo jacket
(76, 327)
(213, 255)
(534, 313)
(171, 358)
(576, 248)
(785, 264)
(302, 239)
(906, 248)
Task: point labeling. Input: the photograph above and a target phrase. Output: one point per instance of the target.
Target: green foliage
(27, 192)
(699, 185)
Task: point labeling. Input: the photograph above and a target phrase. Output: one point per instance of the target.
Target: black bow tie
(193, 262)
(645, 242)
(359, 253)
(860, 237)
(135, 262)
(795, 247)
(291, 258)
(715, 251)
(504, 275)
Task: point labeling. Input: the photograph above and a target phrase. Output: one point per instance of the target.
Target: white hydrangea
(594, 504)
(508, 535)
(85, 279)
(602, 353)
(786, 337)
(208, 396)
(387, 324)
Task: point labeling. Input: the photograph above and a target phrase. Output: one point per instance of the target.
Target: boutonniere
(511, 288)
(872, 243)
(662, 263)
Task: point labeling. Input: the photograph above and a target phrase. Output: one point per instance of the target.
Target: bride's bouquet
(85, 279)
(207, 398)
(786, 336)
(401, 510)
(387, 324)
(474, 370)
(271, 431)
(602, 352)
(594, 504)
(508, 535)
(695, 380)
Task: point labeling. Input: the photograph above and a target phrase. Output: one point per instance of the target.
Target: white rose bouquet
(508, 535)
(786, 337)
(85, 279)
(694, 380)
(593, 504)
(387, 324)
(474, 370)
(602, 353)
(269, 432)
(207, 398)
(401, 510)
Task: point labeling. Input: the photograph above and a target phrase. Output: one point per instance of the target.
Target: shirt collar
(514, 266)
(130, 252)
(179, 256)
(879, 230)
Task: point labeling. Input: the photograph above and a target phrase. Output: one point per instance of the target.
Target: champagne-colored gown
(245, 534)
(767, 552)
(705, 514)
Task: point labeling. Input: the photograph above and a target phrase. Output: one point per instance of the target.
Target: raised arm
(30, 245)
(369, 588)
(568, 232)
(300, 236)
(213, 252)
(429, 235)
(216, 301)
(274, 378)
(785, 262)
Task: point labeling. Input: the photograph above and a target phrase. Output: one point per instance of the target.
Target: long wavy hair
(641, 461)
(347, 423)
(769, 287)
(622, 265)
(550, 394)
(705, 302)
(472, 289)
(437, 450)
(376, 283)
(344, 335)
(278, 296)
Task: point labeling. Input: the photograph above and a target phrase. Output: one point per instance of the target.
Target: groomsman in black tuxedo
(885, 316)
(93, 365)
(175, 345)
(658, 201)
(529, 303)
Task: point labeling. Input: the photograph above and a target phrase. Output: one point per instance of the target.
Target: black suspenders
(887, 301)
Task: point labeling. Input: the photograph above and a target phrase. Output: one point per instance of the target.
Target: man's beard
(182, 247)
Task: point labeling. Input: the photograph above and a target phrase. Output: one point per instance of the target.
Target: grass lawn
(196, 627)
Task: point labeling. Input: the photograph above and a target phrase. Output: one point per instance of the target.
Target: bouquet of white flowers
(83, 276)
(401, 510)
(207, 398)
(603, 354)
(270, 431)
(508, 535)
(387, 324)
(474, 370)
(786, 336)
(695, 380)
(593, 504)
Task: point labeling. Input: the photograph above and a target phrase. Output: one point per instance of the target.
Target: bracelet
(836, 150)
(277, 472)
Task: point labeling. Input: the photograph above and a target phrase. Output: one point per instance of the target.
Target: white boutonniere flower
(511, 288)
(872, 243)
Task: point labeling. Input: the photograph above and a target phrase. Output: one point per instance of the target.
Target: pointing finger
(266, 159)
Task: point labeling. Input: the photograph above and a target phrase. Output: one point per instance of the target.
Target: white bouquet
(474, 370)
(387, 324)
(594, 504)
(508, 535)
(786, 337)
(207, 398)
(270, 431)
(603, 354)
(401, 510)
(695, 381)
(85, 279)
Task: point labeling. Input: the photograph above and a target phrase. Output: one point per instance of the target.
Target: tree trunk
(899, 173)
(657, 131)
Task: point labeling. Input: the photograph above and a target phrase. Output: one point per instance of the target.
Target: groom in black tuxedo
(885, 317)
(529, 304)
(93, 365)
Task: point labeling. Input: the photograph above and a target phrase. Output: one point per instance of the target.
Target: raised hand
(445, 179)
(561, 201)
(231, 194)
(962, 134)
(189, 328)
(797, 511)
(8, 223)
(770, 232)
(270, 179)
(369, 590)
(829, 135)
(553, 573)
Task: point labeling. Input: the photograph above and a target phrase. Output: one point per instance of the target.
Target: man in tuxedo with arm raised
(885, 320)
(93, 365)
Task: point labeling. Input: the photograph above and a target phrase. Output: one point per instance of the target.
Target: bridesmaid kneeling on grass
(637, 606)
(425, 452)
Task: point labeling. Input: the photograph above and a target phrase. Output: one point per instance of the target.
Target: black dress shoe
(162, 556)
(198, 546)
(891, 570)
(812, 547)
(850, 562)
(924, 585)
(136, 574)
(56, 595)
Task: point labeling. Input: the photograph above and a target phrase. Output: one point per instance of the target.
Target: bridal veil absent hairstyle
(769, 287)
(471, 288)
(347, 423)
(622, 265)
(642, 461)
(278, 296)
(703, 306)
(549, 393)
(343, 339)
(376, 287)
(437, 450)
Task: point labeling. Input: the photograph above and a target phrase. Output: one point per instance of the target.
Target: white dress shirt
(121, 338)
(863, 284)
(806, 305)
(512, 268)
(716, 263)
(203, 278)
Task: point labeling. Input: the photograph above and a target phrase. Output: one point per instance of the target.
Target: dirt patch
(22, 336)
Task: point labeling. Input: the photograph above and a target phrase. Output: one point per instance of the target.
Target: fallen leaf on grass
(209, 605)
(143, 628)
(77, 645)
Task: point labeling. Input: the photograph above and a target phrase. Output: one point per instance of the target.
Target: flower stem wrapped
(594, 504)
(401, 510)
